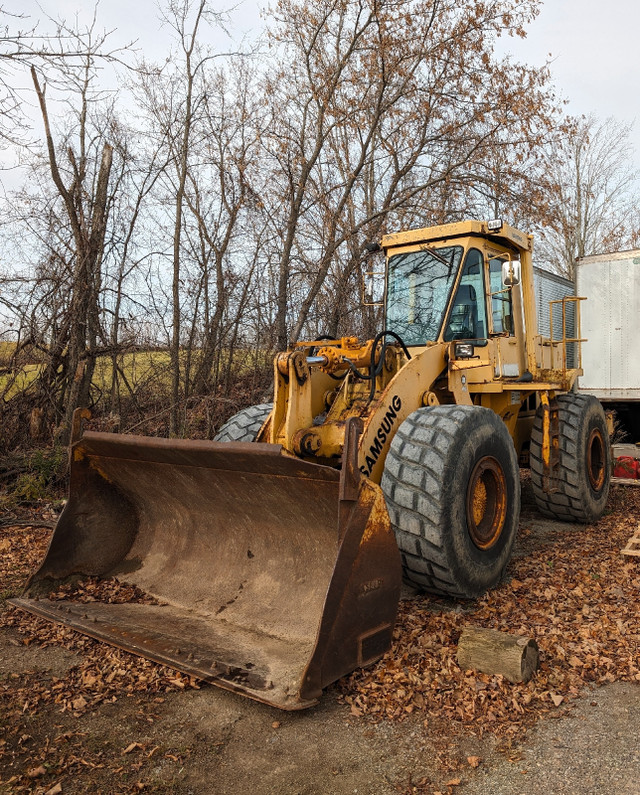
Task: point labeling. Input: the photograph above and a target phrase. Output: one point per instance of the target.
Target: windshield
(418, 290)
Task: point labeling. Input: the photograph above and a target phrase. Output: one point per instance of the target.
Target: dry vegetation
(228, 203)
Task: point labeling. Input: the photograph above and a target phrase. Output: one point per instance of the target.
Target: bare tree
(175, 98)
(593, 193)
(230, 214)
(377, 109)
(226, 215)
(86, 210)
(25, 44)
(66, 213)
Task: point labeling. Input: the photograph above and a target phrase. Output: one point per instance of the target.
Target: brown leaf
(178, 683)
(557, 700)
(474, 761)
(55, 790)
(89, 679)
(36, 772)
(131, 747)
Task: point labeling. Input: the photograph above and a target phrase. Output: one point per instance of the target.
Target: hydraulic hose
(376, 369)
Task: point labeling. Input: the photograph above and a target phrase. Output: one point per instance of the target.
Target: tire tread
(245, 425)
(417, 504)
(568, 502)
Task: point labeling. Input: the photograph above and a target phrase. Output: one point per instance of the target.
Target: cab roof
(506, 235)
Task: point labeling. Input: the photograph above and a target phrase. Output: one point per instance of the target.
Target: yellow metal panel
(402, 396)
(507, 235)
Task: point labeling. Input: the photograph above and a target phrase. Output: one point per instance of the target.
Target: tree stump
(493, 652)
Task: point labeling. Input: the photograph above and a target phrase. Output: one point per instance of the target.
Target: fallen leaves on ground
(22, 549)
(109, 590)
(572, 592)
(103, 673)
(569, 589)
(101, 676)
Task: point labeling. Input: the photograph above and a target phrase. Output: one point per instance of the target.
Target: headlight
(463, 350)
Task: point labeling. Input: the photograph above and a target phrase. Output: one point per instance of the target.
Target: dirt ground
(79, 717)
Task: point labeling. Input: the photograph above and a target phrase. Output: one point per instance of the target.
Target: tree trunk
(88, 236)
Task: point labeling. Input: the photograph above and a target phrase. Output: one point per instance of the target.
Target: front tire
(245, 425)
(584, 467)
(452, 487)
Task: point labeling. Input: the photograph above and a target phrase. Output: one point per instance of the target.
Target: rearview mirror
(511, 272)
(373, 288)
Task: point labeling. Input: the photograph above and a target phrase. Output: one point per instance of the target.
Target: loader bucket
(271, 576)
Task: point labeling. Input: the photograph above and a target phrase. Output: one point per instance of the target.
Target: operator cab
(420, 285)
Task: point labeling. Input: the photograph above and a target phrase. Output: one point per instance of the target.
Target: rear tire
(452, 487)
(584, 468)
(245, 425)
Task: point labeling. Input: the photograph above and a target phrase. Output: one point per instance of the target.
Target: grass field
(6, 351)
(139, 368)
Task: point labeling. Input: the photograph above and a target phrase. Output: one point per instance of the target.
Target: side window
(501, 309)
(468, 316)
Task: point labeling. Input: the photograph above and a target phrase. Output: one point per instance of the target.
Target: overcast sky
(593, 45)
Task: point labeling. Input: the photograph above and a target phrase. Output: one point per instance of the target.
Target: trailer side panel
(611, 283)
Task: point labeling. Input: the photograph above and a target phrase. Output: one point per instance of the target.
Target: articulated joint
(337, 355)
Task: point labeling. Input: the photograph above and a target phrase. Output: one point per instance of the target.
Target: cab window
(501, 308)
(468, 317)
(418, 290)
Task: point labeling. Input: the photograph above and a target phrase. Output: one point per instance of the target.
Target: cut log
(493, 652)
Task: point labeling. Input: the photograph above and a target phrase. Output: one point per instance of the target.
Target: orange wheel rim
(486, 502)
(596, 462)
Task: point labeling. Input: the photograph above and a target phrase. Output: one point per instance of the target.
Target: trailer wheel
(452, 487)
(245, 425)
(584, 468)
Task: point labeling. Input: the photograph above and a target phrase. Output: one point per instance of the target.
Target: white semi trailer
(610, 321)
(610, 325)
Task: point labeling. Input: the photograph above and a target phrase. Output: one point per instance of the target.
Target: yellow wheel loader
(274, 555)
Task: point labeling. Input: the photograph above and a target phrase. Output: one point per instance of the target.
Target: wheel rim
(486, 502)
(596, 460)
